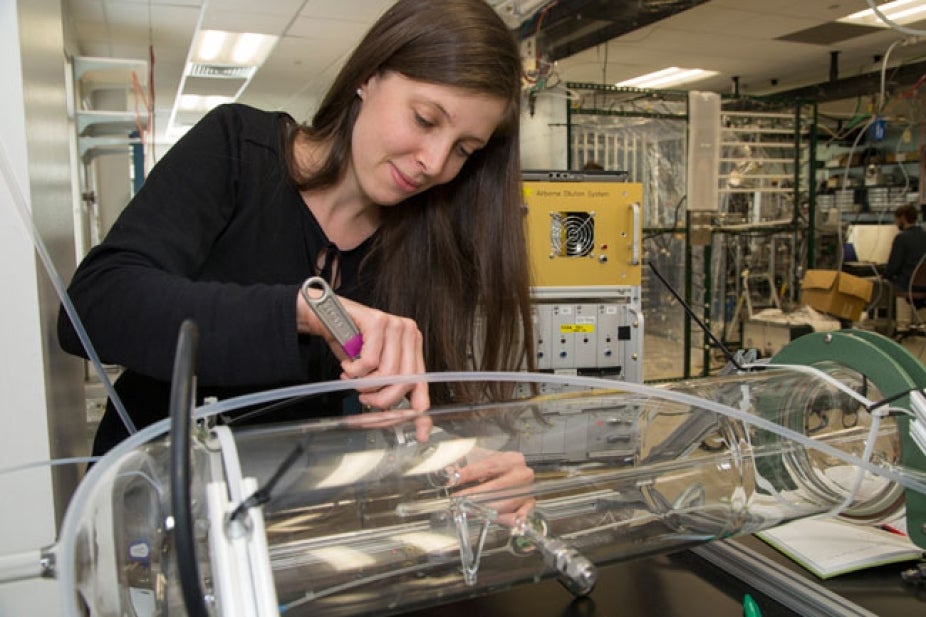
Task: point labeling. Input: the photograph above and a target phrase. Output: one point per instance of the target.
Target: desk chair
(915, 295)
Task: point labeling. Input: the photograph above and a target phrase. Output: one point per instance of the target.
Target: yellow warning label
(576, 328)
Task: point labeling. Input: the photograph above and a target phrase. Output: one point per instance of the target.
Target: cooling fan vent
(572, 234)
(221, 71)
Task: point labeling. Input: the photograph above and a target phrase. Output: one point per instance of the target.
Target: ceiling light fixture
(671, 76)
(232, 48)
(900, 11)
(219, 62)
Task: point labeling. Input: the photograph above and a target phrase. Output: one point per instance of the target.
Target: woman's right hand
(392, 345)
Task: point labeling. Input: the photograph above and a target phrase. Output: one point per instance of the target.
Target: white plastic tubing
(22, 208)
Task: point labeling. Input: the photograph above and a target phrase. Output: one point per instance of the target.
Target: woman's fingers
(501, 472)
(392, 345)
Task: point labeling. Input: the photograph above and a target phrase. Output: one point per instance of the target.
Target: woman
(403, 193)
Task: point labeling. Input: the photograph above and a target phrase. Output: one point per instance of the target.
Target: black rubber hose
(181, 411)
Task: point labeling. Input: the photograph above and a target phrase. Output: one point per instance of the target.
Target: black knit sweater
(217, 234)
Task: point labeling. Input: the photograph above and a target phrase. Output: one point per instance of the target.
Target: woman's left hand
(496, 472)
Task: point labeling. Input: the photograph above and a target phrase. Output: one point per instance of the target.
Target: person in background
(403, 193)
(907, 250)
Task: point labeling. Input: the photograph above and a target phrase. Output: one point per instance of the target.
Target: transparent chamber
(347, 518)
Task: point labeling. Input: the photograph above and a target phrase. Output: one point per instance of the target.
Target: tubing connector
(27, 565)
(574, 571)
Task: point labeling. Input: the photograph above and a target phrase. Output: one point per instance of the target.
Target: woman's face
(411, 136)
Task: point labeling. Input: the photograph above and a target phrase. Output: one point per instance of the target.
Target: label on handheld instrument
(333, 316)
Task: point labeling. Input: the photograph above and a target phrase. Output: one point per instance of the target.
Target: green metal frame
(894, 371)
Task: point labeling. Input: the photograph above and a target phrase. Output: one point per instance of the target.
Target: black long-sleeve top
(907, 249)
(218, 234)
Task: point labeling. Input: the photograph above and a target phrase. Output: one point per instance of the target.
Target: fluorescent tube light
(671, 76)
(247, 48)
(232, 48)
(900, 11)
(210, 45)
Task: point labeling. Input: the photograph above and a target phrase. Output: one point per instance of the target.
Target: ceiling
(741, 39)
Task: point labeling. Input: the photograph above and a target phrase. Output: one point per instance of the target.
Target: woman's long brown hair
(453, 258)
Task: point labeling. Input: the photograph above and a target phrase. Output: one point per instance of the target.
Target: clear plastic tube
(73, 460)
(369, 520)
(22, 208)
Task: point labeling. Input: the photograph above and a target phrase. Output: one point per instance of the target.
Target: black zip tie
(891, 399)
(262, 494)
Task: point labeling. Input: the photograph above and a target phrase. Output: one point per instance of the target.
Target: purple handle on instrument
(352, 346)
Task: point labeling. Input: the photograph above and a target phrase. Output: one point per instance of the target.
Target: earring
(360, 93)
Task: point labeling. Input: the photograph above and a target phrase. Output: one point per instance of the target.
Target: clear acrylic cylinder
(365, 519)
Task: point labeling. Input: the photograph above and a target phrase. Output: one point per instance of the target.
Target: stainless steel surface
(50, 186)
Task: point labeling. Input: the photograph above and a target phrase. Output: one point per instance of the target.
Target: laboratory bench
(685, 584)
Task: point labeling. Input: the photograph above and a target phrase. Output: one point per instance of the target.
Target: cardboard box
(837, 293)
(901, 157)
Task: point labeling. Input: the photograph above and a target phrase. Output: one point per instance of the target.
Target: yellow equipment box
(585, 233)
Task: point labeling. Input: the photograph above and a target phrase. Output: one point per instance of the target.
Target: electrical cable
(182, 395)
(890, 399)
(137, 93)
(674, 227)
(845, 180)
(151, 114)
(884, 62)
(263, 494)
(544, 70)
(723, 348)
(604, 65)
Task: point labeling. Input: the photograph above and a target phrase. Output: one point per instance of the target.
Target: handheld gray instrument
(332, 314)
